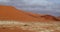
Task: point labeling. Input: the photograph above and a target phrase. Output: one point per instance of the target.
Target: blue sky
(51, 7)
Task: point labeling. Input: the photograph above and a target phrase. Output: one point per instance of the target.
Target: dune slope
(11, 13)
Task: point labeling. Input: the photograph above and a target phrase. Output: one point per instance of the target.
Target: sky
(51, 7)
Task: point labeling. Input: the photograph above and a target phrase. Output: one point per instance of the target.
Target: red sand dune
(11, 13)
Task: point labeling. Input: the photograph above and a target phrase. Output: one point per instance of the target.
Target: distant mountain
(11, 13)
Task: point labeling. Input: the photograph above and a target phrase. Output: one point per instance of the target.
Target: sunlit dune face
(10, 13)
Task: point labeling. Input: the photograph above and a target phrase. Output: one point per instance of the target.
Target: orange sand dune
(11, 13)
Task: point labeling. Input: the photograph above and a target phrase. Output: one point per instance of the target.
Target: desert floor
(20, 26)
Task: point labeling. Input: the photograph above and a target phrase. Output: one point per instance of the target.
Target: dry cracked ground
(19, 26)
